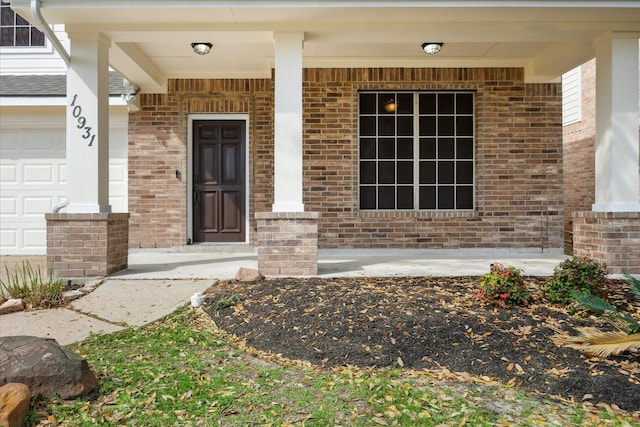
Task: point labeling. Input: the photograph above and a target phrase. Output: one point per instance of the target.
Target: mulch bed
(427, 323)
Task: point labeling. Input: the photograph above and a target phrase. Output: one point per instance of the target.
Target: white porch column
(288, 123)
(617, 144)
(88, 124)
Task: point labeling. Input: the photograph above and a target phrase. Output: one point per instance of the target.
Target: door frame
(222, 117)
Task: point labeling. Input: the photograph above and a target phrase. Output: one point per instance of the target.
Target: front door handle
(195, 198)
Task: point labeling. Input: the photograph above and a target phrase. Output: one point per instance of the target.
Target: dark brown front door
(219, 181)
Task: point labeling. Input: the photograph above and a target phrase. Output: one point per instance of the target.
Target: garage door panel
(37, 174)
(33, 174)
(41, 141)
(34, 238)
(8, 240)
(36, 205)
(8, 174)
(8, 206)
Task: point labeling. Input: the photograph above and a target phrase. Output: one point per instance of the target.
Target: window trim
(416, 210)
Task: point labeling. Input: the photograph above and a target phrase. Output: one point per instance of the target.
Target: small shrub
(27, 283)
(576, 274)
(504, 286)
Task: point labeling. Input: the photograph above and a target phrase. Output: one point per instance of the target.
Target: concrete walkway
(159, 281)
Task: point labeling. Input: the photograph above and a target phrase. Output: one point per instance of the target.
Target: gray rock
(248, 275)
(11, 306)
(15, 401)
(72, 295)
(46, 367)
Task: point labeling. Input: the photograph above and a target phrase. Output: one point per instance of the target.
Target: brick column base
(287, 243)
(609, 237)
(87, 244)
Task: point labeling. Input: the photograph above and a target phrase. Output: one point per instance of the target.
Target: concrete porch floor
(223, 261)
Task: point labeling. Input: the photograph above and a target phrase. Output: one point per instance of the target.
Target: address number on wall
(76, 112)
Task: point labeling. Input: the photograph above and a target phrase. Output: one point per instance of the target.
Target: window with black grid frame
(15, 31)
(416, 150)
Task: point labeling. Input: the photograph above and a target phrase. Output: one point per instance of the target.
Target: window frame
(457, 161)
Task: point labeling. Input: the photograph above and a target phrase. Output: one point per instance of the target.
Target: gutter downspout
(46, 29)
(57, 45)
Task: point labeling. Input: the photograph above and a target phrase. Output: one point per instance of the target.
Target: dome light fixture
(201, 48)
(432, 47)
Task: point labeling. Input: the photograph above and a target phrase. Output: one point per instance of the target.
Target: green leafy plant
(229, 301)
(26, 283)
(601, 343)
(504, 286)
(576, 274)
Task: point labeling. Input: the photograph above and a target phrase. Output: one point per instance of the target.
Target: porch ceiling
(151, 38)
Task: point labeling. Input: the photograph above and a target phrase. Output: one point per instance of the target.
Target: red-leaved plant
(503, 286)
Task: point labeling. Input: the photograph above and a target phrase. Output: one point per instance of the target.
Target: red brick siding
(518, 159)
(158, 148)
(609, 237)
(81, 245)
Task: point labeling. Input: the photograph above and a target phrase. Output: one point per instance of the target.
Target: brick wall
(518, 159)
(158, 148)
(92, 244)
(287, 243)
(518, 162)
(609, 237)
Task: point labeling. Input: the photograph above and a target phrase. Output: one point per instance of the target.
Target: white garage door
(33, 172)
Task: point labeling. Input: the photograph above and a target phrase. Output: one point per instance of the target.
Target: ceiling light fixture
(432, 47)
(201, 48)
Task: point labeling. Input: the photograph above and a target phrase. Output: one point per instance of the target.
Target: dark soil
(426, 323)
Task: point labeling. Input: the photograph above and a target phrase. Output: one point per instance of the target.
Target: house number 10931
(76, 112)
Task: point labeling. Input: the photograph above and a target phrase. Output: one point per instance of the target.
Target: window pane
(367, 172)
(427, 198)
(368, 103)
(37, 37)
(464, 125)
(405, 103)
(6, 36)
(464, 173)
(427, 172)
(405, 197)
(386, 198)
(446, 126)
(446, 103)
(405, 173)
(427, 126)
(386, 172)
(464, 197)
(446, 172)
(427, 102)
(386, 126)
(7, 16)
(405, 148)
(427, 148)
(22, 36)
(445, 197)
(383, 100)
(367, 197)
(464, 103)
(367, 148)
(405, 126)
(446, 148)
(465, 148)
(386, 148)
(367, 126)
(21, 21)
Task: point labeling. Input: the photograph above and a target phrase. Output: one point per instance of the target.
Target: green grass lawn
(181, 371)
